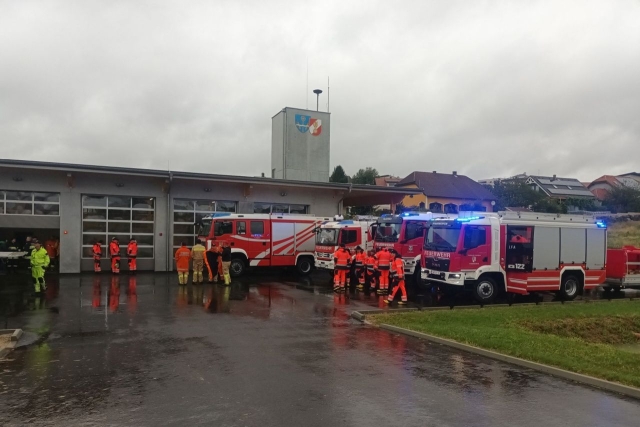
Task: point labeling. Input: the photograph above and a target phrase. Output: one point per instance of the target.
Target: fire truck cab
(404, 233)
(331, 235)
(265, 240)
(519, 253)
(623, 268)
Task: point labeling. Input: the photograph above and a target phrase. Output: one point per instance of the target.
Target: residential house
(560, 189)
(387, 180)
(447, 193)
(492, 181)
(631, 179)
(601, 187)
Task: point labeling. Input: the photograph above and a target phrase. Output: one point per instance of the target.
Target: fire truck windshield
(444, 238)
(327, 236)
(203, 227)
(388, 232)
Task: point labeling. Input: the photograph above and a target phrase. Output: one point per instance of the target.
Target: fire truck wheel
(569, 287)
(237, 267)
(485, 290)
(304, 265)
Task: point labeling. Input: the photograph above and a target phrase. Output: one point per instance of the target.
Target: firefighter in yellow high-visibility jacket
(39, 262)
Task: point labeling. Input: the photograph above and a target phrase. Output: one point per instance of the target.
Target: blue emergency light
(601, 224)
(471, 218)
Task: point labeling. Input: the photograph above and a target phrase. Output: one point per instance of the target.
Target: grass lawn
(596, 339)
(620, 234)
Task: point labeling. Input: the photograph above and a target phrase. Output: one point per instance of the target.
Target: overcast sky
(488, 89)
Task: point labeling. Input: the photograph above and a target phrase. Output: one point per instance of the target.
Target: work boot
(360, 287)
(386, 301)
(402, 302)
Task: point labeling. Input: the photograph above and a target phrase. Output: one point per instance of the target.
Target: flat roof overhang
(352, 194)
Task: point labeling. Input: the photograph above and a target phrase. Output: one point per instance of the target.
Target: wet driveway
(267, 351)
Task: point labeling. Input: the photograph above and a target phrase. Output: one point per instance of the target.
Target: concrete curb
(15, 337)
(557, 372)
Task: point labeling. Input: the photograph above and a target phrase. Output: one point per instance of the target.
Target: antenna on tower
(307, 82)
(328, 94)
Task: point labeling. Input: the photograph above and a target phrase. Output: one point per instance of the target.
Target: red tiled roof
(609, 179)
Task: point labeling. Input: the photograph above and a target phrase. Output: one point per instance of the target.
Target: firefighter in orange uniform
(384, 265)
(358, 261)
(342, 261)
(397, 266)
(114, 251)
(132, 253)
(370, 268)
(182, 257)
(97, 255)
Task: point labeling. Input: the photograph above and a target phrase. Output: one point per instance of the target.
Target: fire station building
(79, 204)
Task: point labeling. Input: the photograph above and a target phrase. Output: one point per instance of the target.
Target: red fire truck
(266, 240)
(404, 233)
(331, 234)
(518, 253)
(623, 268)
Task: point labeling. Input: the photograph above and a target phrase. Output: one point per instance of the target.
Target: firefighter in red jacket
(132, 253)
(97, 255)
(342, 261)
(384, 265)
(397, 266)
(358, 262)
(114, 251)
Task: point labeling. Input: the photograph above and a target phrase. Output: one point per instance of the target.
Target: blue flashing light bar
(467, 219)
(346, 221)
(601, 224)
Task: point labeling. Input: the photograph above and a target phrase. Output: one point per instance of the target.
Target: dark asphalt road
(265, 352)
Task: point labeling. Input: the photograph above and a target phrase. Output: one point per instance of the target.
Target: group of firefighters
(217, 260)
(114, 254)
(375, 269)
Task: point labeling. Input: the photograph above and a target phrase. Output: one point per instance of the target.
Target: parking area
(270, 350)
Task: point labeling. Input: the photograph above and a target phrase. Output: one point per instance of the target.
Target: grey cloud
(484, 88)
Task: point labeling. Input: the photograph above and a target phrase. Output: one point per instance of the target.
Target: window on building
(450, 208)
(29, 203)
(106, 217)
(267, 208)
(435, 207)
(189, 212)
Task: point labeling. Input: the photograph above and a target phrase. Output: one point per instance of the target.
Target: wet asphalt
(270, 350)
